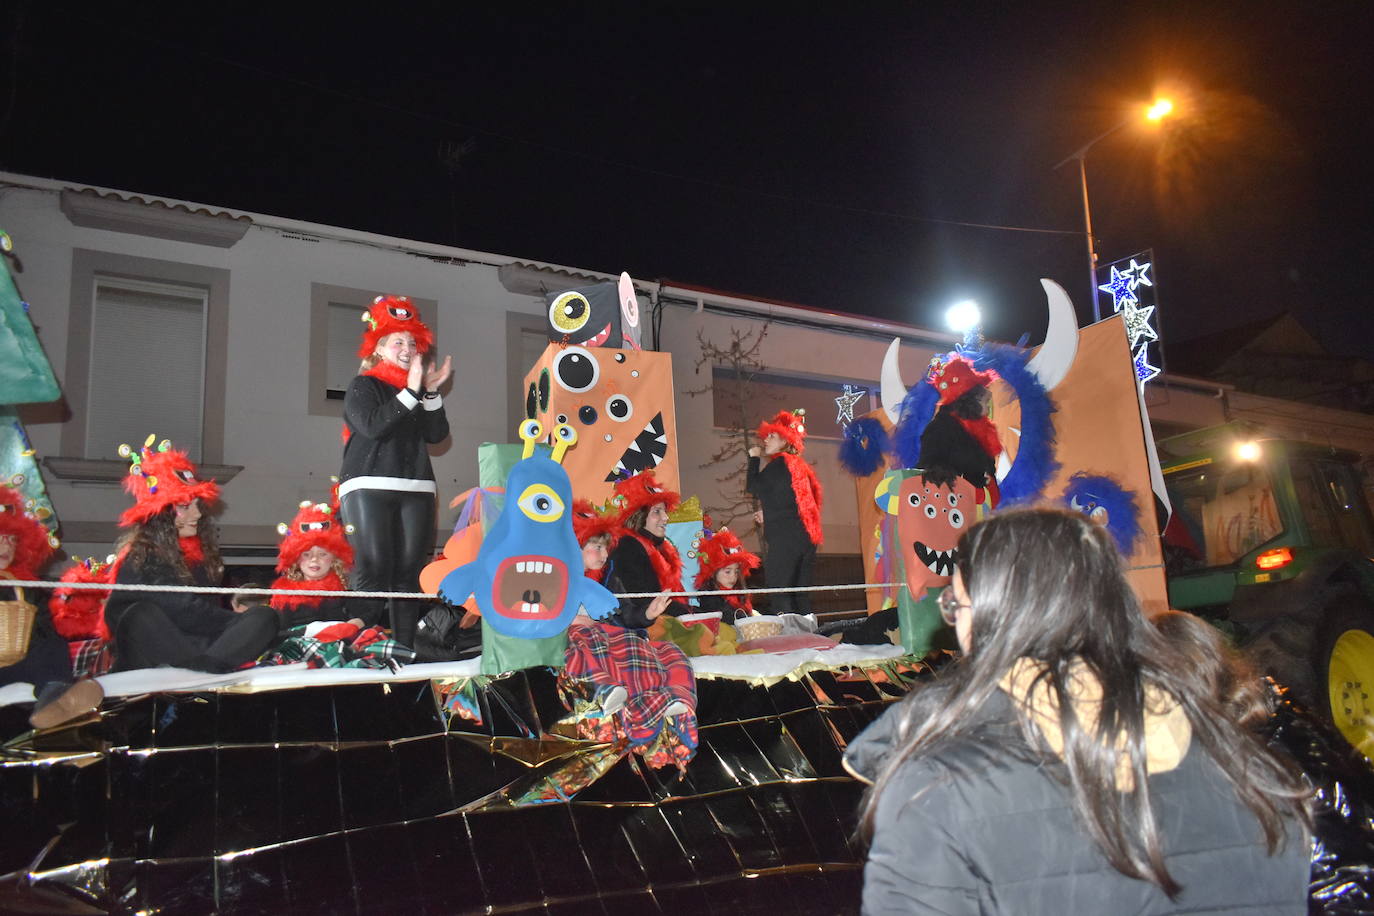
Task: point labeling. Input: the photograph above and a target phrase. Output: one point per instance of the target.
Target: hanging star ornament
(1143, 370)
(846, 402)
(1120, 288)
(1137, 322)
(1136, 274)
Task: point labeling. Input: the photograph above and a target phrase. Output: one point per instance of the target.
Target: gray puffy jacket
(980, 826)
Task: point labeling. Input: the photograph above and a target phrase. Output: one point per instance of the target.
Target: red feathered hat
(393, 315)
(956, 377)
(315, 525)
(77, 613)
(34, 543)
(159, 478)
(790, 425)
(639, 492)
(589, 521)
(719, 550)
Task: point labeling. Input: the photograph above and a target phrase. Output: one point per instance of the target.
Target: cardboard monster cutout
(603, 315)
(619, 402)
(527, 579)
(931, 517)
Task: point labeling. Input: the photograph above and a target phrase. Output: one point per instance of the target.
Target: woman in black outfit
(392, 413)
(644, 560)
(790, 498)
(170, 542)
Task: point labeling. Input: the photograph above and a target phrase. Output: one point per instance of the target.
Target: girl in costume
(25, 548)
(790, 498)
(644, 560)
(314, 556)
(627, 686)
(1077, 753)
(723, 565)
(392, 412)
(170, 541)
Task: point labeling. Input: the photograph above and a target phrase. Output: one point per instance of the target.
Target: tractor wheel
(1345, 660)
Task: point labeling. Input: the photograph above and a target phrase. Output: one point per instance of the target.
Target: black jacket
(389, 429)
(629, 570)
(772, 486)
(979, 826)
(198, 616)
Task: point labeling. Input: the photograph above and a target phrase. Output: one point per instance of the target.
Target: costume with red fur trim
(315, 525)
(588, 522)
(160, 478)
(33, 542)
(393, 315)
(78, 613)
(790, 497)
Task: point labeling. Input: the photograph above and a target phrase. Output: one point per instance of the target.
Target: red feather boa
(192, 550)
(985, 434)
(807, 490)
(331, 582)
(665, 561)
(740, 602)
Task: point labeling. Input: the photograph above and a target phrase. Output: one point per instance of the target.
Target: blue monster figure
(527, 578)
(1107, 503)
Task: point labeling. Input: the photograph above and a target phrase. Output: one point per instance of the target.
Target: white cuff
(406, 398)
(432, 403)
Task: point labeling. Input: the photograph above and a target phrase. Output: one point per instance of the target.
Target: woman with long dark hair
(171, 541)
(1077, 758)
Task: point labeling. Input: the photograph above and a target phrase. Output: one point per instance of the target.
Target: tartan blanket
(369, 648)
(90, 657)
(654, 675)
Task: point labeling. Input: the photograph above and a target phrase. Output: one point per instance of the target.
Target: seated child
(723, 565)
(314, 556)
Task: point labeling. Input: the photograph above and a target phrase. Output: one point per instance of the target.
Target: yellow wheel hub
(1351, 685)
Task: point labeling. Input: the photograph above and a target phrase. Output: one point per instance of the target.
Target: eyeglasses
(949, 605)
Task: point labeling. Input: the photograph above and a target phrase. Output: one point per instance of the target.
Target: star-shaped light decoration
(1143, 370)
(1121, 289)
(846, 402)
(1137, 322)
(1136, 273)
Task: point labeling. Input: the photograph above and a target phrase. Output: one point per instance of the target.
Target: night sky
(820, 158)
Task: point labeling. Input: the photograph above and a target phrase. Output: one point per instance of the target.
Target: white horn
(894, 389)
(1056, 355)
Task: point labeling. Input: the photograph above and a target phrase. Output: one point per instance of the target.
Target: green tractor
(1272, 539)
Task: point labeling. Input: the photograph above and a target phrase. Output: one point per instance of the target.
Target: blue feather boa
(1086, 492)
(917, 408)
(1035, 463)
(865, 441)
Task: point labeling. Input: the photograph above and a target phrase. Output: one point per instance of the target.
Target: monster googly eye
(531, 431)
(576, 370)
(565, 437)
(570, 312)
(540, 503)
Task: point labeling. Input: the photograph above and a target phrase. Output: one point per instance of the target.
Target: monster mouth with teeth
(530, 587)
(940, 562)
(645, 453)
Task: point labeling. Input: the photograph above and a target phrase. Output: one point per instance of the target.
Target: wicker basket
(16, 625)
(760, 627)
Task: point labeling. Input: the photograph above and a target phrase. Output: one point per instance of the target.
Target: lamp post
(1156, 112)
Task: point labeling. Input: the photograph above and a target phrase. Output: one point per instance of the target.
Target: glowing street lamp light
(1156, 112)
(962, 317)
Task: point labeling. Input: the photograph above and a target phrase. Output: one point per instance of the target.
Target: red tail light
(1277, 558)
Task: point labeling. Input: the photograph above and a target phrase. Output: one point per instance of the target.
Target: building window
(146, 353)
(147, 365)
(336, 328)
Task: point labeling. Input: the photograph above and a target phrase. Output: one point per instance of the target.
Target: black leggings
(146, 637)
(788, 565)
(393, 533)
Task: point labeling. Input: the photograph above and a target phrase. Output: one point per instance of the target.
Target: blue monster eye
(540, 503)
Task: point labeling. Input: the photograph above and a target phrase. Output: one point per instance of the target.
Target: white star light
(1137, 321)
(846, 402)
(1137, 273)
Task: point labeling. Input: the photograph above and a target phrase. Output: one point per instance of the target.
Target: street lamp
(1156, 112)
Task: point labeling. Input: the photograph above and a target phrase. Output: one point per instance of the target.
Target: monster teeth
(527, 608)
(520, 566)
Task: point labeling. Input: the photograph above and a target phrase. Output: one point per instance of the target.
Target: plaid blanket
(91, 657)
(654, 675)
(370, 648)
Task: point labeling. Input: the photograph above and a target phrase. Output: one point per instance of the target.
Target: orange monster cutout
(930, 520)
(620, 402)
